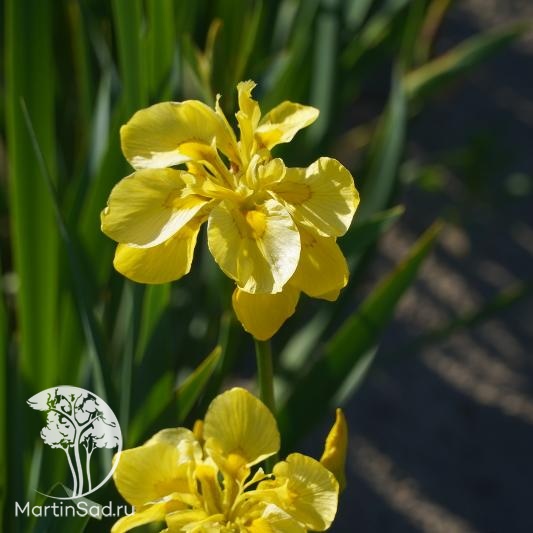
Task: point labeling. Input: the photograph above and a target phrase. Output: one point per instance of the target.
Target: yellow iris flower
(270, 228)
(204, 481)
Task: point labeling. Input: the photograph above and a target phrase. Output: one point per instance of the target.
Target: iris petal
(152, 513)
(283, 122)
(263, 314)
(322, 197)
(258, 248)
(150, 472)
(247, 117)
(306, 490)
(322, 269)
(241, 426)
(334, 456)
(152, 137)
(149, 206)
(274, 520)
(163, 263)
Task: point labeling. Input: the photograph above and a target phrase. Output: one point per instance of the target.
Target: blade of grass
(324, 70)
(131, 311)
(230, 335)
(356, 11)
(411, 33)
(350, 345)
(161, 43)
(156, 299)
(128, 22)
(432, 22)
(385, 155)
(154, 404)
(35, 237)
(162, 396)
(299, 349)
(288, 78)
(365, 234)
(374, 32)
(191, 389)
(4, 402)
(433, 76)
(80, 286)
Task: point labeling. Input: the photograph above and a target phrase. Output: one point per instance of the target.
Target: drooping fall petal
(150, 472)
(322, 196)
(152, 137)
(322, 269)
(163, 263)
(241, 427)
(258, 248)
(149, 206)
(263, 314)
(283, 122)
(151, 513)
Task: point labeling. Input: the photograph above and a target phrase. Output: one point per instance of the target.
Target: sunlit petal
(248, 116)
(258, 248)
(263, 314)
(152, 513)
(322, 197)
(241, 426)
(275, 520)
(150, 472)
(152, 137)
(305, 490)
(165, 262)
(194, 521)
(322, 269)
(149, 206)
(283, 122)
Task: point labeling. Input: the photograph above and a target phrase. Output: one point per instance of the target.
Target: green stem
(265, 379)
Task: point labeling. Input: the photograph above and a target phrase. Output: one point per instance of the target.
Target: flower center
(257, 222)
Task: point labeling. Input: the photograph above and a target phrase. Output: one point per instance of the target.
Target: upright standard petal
(322, 268)
(149, 206)
(152, 137)
(305, 490)
(150, 472)
(263, 314)
(247, 117)
(322, 197)
(163, 263)
(242, 427)
(259, 248)
(283, 122)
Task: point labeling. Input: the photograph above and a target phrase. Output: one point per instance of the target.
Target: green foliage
(74, 73)
(346, 356)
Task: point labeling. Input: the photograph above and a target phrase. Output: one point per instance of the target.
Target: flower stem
(265, 378)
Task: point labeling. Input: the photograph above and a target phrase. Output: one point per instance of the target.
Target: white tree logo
(78, 422)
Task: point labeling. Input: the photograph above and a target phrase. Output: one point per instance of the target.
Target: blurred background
(428, 102)
(442, 434)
